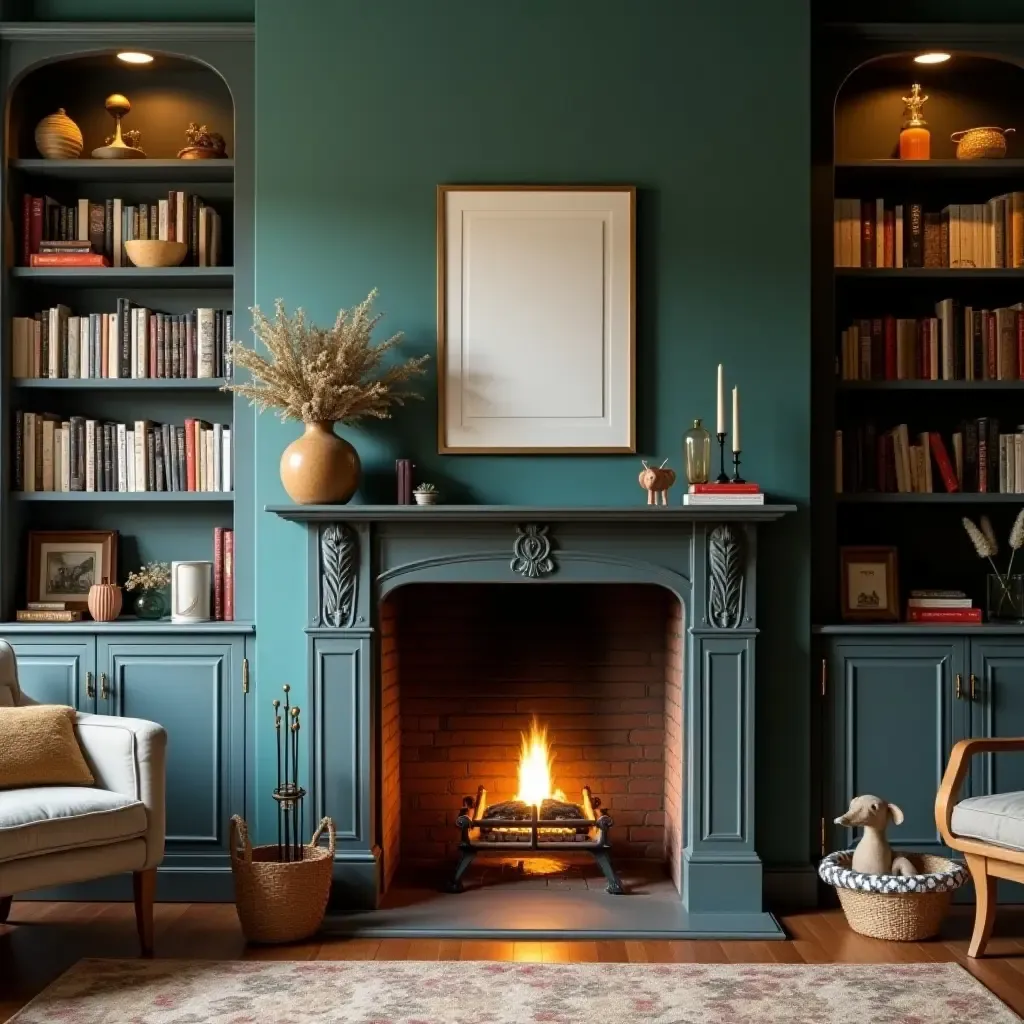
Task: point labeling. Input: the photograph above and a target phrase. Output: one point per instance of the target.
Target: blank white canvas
(538, 320)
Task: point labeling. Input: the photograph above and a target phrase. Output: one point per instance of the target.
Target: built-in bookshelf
(168, 386)
(909, 355)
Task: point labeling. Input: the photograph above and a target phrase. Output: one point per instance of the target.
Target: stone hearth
(388, 714)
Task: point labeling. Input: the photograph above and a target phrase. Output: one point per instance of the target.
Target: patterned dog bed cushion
(835, 870)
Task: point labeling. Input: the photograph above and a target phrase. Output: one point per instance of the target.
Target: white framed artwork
(536, 318)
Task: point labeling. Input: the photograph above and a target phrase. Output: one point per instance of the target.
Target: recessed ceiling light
(131, 57)
(931, 58)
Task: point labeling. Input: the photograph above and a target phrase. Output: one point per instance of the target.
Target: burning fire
(535, 761)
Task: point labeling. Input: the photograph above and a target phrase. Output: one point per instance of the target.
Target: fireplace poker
(277, 731)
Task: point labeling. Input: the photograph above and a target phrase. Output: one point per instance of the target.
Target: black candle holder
(722, 478)
(736, 478)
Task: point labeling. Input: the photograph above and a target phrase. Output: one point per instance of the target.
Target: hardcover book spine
(867, 233)
(190, 453)
(226, 461)
(90, 455)
(941, 455)
(140, 455)
(970, 474)
(944, 615)
(26, 229)
(122, 457)
(218, 572)
(150, 459)
(993, 448)
(229, 575)
(125, 337)
(914, 245)
(19, 451)
(984, 456)
(182, 471)
(36, 226)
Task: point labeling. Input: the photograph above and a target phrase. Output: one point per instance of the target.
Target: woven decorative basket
(981, 143)
(280, 901)
(901, 908)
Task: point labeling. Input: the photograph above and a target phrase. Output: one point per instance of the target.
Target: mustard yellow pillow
(38, 748)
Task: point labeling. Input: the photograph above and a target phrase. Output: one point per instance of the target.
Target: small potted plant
(150, 581)
(425, 494)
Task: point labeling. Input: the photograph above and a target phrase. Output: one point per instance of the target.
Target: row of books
(873, 234)
(131, 342)
(982, 460)
(958, 343)
(222, 605)
(104, 227)
(79, 454)
(941, 606)
(731, 493)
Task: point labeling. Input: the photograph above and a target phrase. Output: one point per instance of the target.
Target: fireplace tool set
(288, 793)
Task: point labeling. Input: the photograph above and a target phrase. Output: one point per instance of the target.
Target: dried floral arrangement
(202, 138)
(152, 576)
(316, 374)
(983, 537)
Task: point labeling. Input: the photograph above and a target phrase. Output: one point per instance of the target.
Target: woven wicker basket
(899, 916)
(278, 901)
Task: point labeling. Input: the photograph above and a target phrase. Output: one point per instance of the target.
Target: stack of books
(48, 611)
(223, 574)
(724, 494)
(941, 606)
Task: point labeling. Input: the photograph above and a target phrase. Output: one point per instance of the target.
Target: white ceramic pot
(425, 497)
(190, 591)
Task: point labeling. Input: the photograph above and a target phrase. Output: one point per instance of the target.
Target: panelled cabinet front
(896, 710)
(997, 709)
(194, 690)
(58, 670)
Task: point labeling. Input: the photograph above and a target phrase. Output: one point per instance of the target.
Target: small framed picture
(64, 564)
(870, 584)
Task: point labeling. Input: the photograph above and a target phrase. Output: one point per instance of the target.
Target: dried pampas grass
(984, 543)
(315, 374)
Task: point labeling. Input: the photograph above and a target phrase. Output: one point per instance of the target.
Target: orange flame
(535, 762)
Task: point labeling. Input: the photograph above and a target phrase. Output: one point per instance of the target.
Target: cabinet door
(997, 674)
(895, 716)
(58, 670)
(192, 688)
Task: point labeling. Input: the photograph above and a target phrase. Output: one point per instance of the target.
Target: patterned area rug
(410, 992)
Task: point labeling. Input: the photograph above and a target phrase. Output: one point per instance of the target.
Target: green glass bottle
(697, 453)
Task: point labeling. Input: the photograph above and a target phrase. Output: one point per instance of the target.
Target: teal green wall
(364, 107)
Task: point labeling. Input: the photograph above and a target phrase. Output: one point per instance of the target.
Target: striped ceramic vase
(58, 137)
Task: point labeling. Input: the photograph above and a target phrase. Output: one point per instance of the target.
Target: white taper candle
(736, 420)
(721, 400)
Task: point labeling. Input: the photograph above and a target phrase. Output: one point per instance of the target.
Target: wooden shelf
(930, 385)
(176, 497)
(929, 273)
(129, 624)
(921, 629)
(937, 498)
(952, 169)
(118, 383)
(117, 171)
(120, 277)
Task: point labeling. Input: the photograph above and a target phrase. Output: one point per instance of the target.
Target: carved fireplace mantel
(358, 554)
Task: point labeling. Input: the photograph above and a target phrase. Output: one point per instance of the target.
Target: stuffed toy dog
(873, 855)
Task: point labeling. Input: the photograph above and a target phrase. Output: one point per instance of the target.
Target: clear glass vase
(150, 604)
(697, 452)
(1004, 598)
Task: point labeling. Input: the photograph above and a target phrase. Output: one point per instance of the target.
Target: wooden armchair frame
(985, 861)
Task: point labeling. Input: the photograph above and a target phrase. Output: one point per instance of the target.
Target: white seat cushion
(46, 819)
(997, 819)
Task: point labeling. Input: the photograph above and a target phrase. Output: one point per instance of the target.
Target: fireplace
(437, 635)
(504, 699)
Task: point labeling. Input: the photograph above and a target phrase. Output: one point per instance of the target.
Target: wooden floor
(42, 940)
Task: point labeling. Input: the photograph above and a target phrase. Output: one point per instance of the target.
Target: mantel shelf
(119, 171)
(119, 277)
(527, 513)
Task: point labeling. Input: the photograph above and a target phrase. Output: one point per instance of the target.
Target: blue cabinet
(896, 709)
(996, 688)
(58, 670)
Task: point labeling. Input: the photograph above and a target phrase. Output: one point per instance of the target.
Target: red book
(229, 575)
(889, 238)
(35, 225)
(867, 233)
(991, 370)
(190, 454)
(218, 572)
(26, 229)
(943, 615)
(890, 347)
(730, 488)
(68, 259)
(942, 460)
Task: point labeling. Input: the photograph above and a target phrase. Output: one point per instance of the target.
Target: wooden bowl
(149, 253)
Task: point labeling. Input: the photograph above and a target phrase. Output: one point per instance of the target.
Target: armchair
(987, 830)
(54, 835)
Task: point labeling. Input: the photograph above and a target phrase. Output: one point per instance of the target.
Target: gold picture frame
(619, 389)
(63, 564)
(869, 584)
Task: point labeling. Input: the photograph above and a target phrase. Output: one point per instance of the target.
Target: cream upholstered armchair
(987, 830)
(54, 835)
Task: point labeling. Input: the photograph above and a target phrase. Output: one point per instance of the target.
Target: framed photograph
(64, 564)
(536, 318)
(870, 584)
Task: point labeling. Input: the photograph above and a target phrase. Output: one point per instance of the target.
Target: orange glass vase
(915, 144)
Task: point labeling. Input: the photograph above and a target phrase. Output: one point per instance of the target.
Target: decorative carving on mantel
(725, 577)
(339, 574)
(532, 552)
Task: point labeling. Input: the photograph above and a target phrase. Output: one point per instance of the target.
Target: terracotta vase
(320, 468)
(104, 601)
